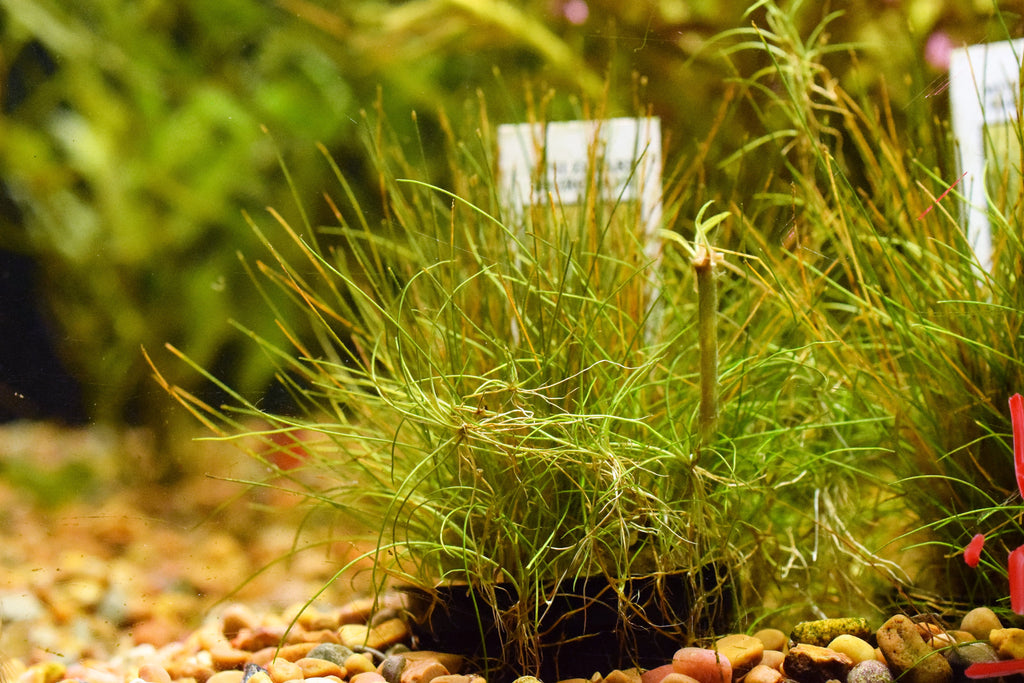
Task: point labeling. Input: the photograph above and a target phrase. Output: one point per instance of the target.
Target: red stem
(1017, 420)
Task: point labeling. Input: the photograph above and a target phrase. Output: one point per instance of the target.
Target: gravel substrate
(121, 583)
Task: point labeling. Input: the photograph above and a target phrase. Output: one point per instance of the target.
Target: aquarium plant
(488, 400)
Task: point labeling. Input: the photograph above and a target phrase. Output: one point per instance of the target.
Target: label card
(551, 175)
(628, 151)
(984, 90)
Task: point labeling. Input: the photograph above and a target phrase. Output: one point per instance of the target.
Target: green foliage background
(130, 132)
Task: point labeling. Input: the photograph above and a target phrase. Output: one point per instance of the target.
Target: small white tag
(628, 149)
(984, 86)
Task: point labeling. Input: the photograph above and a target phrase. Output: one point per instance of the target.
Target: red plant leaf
(1017, 419)
(995, 669)
(1015, 567)
(972, 553)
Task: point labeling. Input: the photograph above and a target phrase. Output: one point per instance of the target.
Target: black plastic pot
(585, 628)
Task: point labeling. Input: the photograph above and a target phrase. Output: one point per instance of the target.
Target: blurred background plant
(131, 136)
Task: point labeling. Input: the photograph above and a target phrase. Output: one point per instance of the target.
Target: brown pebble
(313, 667)
(315, 620)
(387, 633)
(743, 652)
(675, 677)
(773, 638)
(225, 658)
(154, 673)
(290, 652)
(353, 635)
(282, 670)
(357, 612)
(763, 674)
(657, 674)
(227, 677)
(367, 677)
(1008, 642)
(908, 656)
(260, 677)
(807, 663)
(449, 661)
(236, 617)
(189, 669)
(321, 636)
(359, 663)
(460, 678)
(979, 622)
(423, 671)
(620, 676)
(253, 639)
(773, 659)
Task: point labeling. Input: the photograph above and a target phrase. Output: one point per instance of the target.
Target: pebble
(463, 678)
(962, 656)
(857, 649)
(367, 677)
(1008, 642)
(391, 668)
(910, 658)
(822, 631)
(620, 676)
(678, 678)
(225, 658)
(706, 666)
(773, 658)
(154, 673)
(763, 674)
(870, 671)
(226, 677)
(656, 675)
(807, 663)
(743, 652)
(236, 617)
(979, 622)
(422, 671)
(332, 652)
(315, 667)
(358, 664)
(772, 638)
(282, 670)
(449, 661)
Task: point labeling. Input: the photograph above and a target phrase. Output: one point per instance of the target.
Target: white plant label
(616, 161)
(627, 149)
(984, 90)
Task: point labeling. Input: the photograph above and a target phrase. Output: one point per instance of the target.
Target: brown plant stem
(707, 321)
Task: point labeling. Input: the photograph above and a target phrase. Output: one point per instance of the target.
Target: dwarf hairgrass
(512, 402)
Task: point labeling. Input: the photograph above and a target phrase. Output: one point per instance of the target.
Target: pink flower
(938, 49)
(575, 11)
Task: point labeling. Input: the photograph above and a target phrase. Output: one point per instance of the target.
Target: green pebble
(331, 652)
(822, 631)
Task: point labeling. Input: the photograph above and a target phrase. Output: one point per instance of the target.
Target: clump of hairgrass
(917, 329)
(481, 394)
(493, 398)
